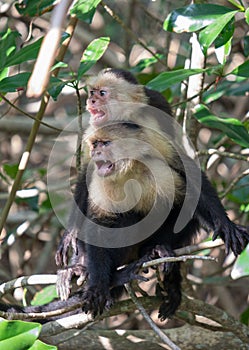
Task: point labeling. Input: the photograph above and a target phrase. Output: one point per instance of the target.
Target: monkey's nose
(95, 153)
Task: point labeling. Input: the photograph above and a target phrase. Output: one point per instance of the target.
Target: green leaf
(193, 17)
(45, 296)
(38, 345)
(242, 70)
(92, 54)
(7, 46)
(29, 196)
(223, 52)
(55, 87)
(18, 335)
(59, 65)
(237, 4)
(14, 83)
(247, 15)
(244, 317)
(45, 206)
(246, 45)
(238, 88)
(166, 79)
(240, 193)
(25, 54)
(10, 170)
(208, 35)
(85, 9)
(241, 266)
(225, 35)
(3, 74)
(146, 62)
(232, 127)
(34, 8)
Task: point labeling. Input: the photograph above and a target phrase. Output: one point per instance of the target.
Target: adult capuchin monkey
(127, 148)
(130, 195)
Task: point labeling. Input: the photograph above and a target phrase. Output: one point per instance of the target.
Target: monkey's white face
(110, 160)
(102, 157)
(97, 105)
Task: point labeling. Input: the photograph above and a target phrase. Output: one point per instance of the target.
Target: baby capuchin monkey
(132, 190)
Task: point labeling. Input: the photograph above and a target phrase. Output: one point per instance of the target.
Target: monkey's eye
(91, 93)
(102, 92)
(95, 143)
(106, 143)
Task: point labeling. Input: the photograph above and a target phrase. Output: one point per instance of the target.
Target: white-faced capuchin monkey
(129, 197)
(128, 148)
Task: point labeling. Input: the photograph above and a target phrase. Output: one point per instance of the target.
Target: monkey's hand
(96, 299)
(161, 251)
(235, 237)
(130, 273)
(68, 240)
(64, 277)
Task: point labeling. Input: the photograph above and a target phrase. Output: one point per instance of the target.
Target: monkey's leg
(171, 292)
(170, 288)
(100, 265)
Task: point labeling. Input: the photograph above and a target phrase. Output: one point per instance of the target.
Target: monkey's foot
(69, 240)
(170, 292)
(171, 302)
(235, 237)
(96, 299)
(64, 278)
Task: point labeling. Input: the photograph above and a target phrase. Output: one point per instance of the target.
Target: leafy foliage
(214, 26)
(19, 335)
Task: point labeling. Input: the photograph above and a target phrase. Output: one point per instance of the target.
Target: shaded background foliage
(160, 53)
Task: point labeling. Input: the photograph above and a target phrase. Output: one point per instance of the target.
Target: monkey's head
(115, 149)
(128, 170)
(111, 94)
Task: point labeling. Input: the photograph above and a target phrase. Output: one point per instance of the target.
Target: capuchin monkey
(130, 193)
(127, 147)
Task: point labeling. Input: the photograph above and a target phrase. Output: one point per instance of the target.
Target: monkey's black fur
(100, 264)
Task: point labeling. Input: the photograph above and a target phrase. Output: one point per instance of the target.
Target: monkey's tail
(71, 306)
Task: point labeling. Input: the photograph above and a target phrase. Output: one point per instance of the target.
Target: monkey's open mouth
(105, 168)
(98, 115)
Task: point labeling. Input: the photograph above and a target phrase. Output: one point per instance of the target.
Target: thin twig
(149, 320)
(80, 130)
(26, 281)
(129, 31)
(176, 259)
(39, 79)
(234, 182)
(194, 96)
(27, 114)
(212, 151)
(198, 247)
(25, 157)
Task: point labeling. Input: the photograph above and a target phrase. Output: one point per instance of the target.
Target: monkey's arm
(76, 221)
(209, 211)
(212, 214)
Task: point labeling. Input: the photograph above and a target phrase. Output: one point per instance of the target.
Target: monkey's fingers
(67, 241)
(235, 237)
(96, 300)
(129, 273)
(63, 284)
(64, 278)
